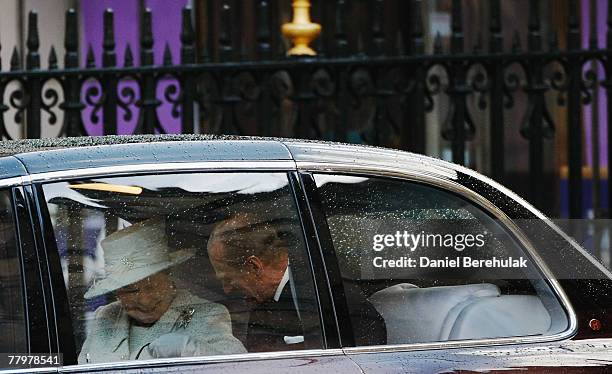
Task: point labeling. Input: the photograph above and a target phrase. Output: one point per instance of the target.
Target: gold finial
(301, 30)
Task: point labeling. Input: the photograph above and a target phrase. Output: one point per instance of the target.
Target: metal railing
(328, 94)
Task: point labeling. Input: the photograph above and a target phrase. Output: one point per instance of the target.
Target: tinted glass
(182, 265)
(12, 321)
(420, 264)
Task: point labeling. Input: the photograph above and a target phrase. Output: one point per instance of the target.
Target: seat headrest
(418, 315)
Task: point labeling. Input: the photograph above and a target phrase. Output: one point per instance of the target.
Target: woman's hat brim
(111, 283)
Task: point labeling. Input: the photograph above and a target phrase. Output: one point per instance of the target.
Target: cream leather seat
(434, 314)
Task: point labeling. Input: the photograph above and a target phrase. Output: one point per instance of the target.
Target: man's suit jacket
(209, 326)
(271, 322)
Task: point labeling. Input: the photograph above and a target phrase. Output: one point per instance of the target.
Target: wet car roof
(13, 147)
(46, 155)
(58, 154)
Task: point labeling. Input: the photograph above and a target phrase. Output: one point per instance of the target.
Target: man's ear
(254, 265)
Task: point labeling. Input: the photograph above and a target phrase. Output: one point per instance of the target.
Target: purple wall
(166, 29)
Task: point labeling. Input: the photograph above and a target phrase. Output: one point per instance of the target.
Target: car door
(83, 219)
(23, 317)
(428, 278)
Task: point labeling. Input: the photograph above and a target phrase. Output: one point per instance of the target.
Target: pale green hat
(134, 253)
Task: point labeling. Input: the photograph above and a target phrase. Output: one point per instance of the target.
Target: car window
(420, 264)
(178, 265)
(12, 316)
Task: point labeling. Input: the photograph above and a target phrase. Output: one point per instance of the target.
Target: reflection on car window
(12, 321)
(422, 265)
(183, 265)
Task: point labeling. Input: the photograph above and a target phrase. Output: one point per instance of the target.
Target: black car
(201, 253)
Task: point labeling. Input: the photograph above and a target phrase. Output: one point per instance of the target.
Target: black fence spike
(495, 16)
(52, 59)
(534, 15)
(516, 42)
(437, 47)
(593, 24)
(167, 59)
(418, 43)
(318, 16)
(457, 39)
(109, 56)
(72, 105)
(33, 85)
(573, 14)
(128, 56)
(148, 121)
(208, 44)
(15, 60)
(71, 40)
(33, 42)
(187, 37)
(456, 16)
(534, 38)
(341, 42)
(226, 48)
(263, 29)
(496, 40)
(573, 39)
(378, 31)
(146, 39)
(90, 59)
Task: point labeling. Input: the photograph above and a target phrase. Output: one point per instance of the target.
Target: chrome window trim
(443, 182)
(143, 364)
(12, 182)
(246, 165)
(47, 369)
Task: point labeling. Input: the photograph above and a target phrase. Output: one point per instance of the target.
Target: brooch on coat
(185, 318)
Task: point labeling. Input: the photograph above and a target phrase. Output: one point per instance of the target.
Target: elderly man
(251, 256)
(151, 318)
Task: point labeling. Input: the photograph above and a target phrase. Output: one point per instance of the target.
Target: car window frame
(307, 171)
(36, 327)
(61, 302)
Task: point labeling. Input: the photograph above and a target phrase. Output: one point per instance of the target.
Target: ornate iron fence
(325, 97)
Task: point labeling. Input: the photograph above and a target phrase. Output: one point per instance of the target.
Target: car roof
(20, 157)
(49, 155)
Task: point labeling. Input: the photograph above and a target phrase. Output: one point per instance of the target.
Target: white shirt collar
(282, 284)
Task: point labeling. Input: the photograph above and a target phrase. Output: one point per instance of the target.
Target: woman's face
(147, 300)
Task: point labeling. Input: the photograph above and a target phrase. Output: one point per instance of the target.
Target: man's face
(148, 299)
(252, 282)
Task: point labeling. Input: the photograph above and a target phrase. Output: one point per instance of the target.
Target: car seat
(474, 311)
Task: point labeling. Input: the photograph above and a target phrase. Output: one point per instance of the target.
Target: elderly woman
(151, 318)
